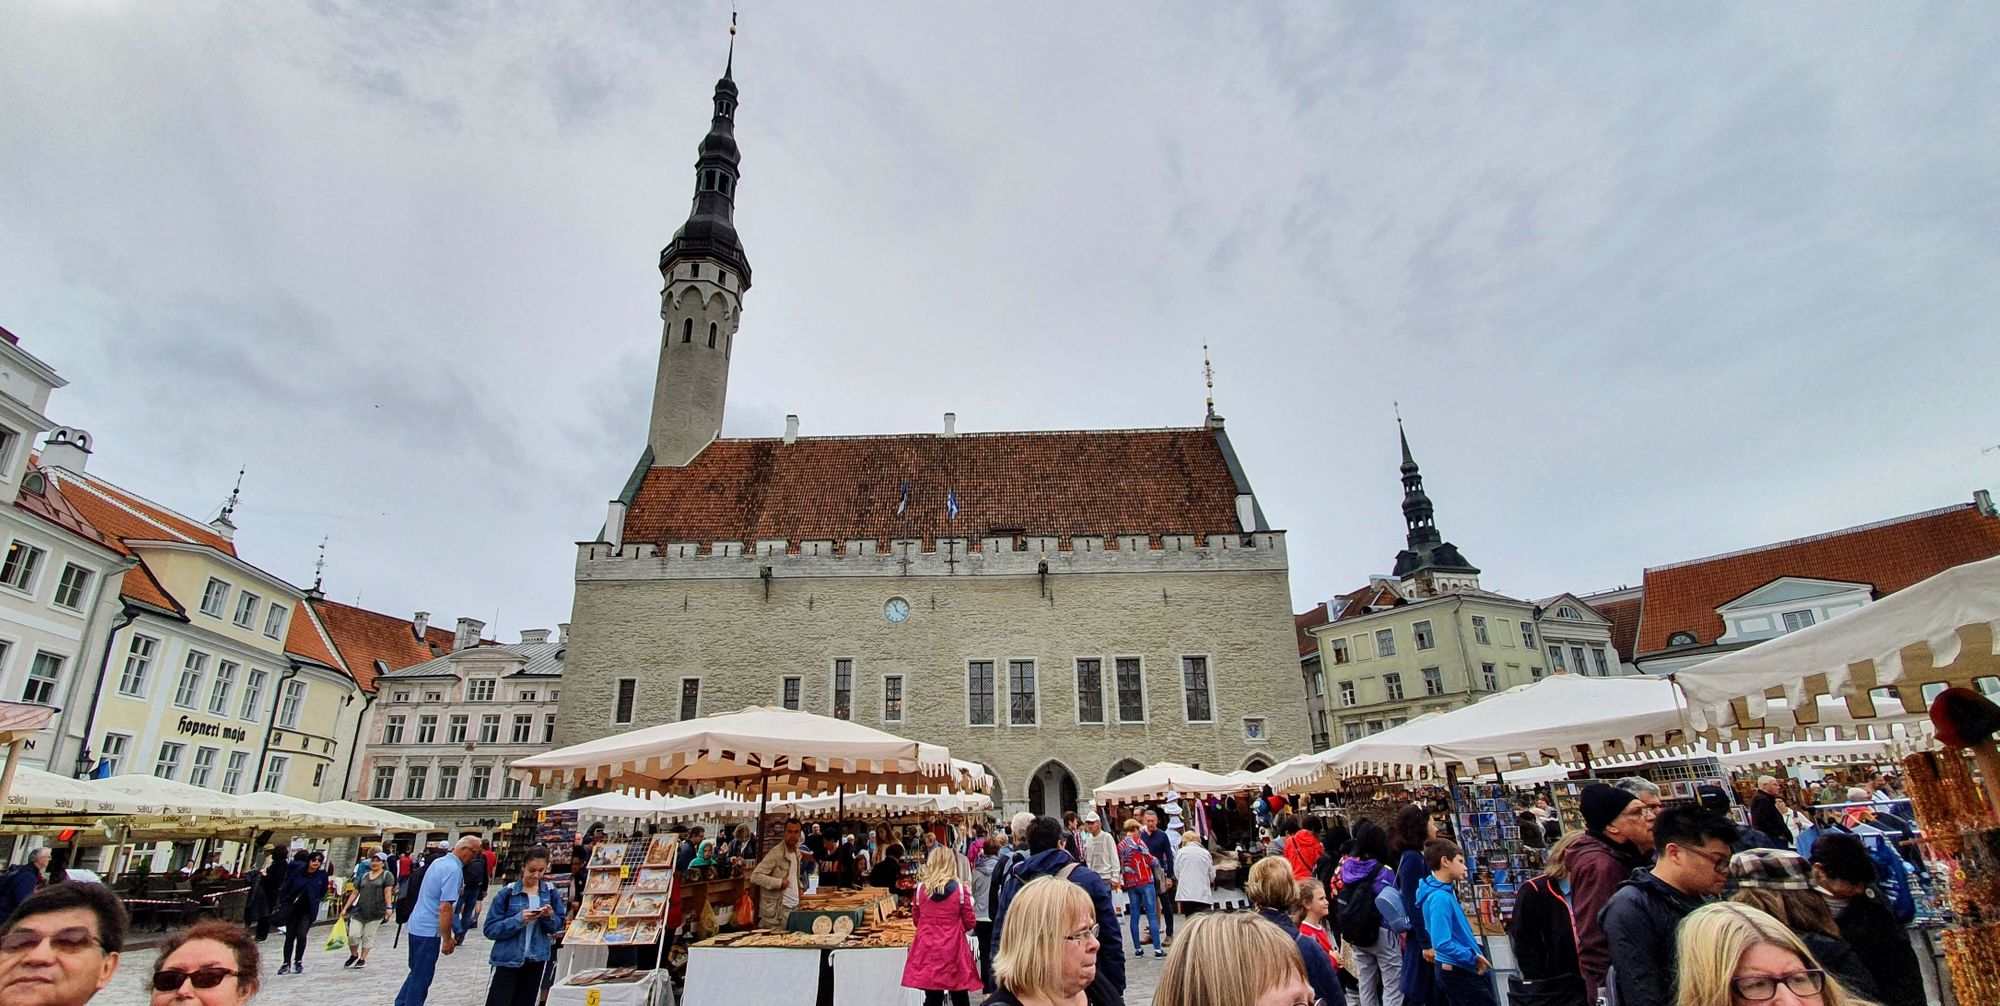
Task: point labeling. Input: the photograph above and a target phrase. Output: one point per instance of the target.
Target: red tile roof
(49, 506)
(1309, 644)
(1105, 483)
(1375, 596)
(123, 515)
(1889, 555)
(1624, 616)
(303, 638)
(364, 637)
(139, 583)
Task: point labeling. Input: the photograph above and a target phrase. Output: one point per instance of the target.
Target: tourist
(298, 905)
(266, 892)
(211, 963)
(1136, 867)
(1544, 937)
(742, 846)
(941, 909)
(777, 877)
(524, 920)
(1162, 849)
(1779, 884)
(1639, 921)
(478, 872)
(367, 908)
(1232, 959)
(1100, 850)
(1765, 815)
(1413, 827)
(1044, 857)
(684, 857)
(1302, 850)
(1367, 882)
(1647, 793)
(704, 854)
(60, 947)
(1273, 892)
(1310, 913)
(23, 879)
(888, 869)
(1532, 835)
(1050, 951)
(1602, 858)
(430, 927)
(1194, 872)
(982, 906)
(1845, 877)
(1461, 968)
(1073, 835)
(1735, 955)
(1715, 801)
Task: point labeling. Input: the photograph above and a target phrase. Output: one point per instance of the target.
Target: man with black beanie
(1602, 858)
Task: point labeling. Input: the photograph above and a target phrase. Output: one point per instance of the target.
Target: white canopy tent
(38, 796)
(1154, 782)
(382, 820)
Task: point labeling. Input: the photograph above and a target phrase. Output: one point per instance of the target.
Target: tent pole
(14, 748)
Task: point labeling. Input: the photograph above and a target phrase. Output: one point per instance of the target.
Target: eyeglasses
(1762, 988)
(1719, 862)
(204, 978)
(1084, 935)
(64, 941)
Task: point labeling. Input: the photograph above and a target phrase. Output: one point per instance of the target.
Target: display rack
(1483, 821)
(627, 888)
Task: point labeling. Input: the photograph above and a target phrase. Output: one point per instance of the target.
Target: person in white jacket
(1194, 875)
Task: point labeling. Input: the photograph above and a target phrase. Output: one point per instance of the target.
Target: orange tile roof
(1624, 617)
(1354, 604)
(139, 583)
(119, 513)
(1889, 555)
(1308, 643)
(51, 507)
(1104, 483)
(364, 637)
(304, 638)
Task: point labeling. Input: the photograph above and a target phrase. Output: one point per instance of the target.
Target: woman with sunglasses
(210, 963)
(1734, 955)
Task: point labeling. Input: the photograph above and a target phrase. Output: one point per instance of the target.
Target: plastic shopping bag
(337, 940)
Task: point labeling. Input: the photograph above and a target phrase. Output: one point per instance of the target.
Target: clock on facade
(897, 610)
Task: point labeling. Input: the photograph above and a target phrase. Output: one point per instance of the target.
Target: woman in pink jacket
(940, 958)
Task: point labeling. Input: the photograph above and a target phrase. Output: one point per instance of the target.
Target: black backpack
(1354, 911)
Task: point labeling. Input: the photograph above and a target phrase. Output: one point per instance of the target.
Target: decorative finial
(1208, 375)
(1398, 406)
(319, 565)
(730, 66)
(235, 496)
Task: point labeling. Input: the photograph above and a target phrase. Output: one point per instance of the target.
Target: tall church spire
(1430, 565)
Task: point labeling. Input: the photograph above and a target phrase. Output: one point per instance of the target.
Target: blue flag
(904, 503)
(951, 505)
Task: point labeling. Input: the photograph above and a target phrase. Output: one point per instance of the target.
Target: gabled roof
(1624, 617)
(43, 499)
(1374, 597)
(117, 512)
(1094, 483)
(1302, 625)
(106, 517)
(1890, 554)
(306, 638)
(363, 637)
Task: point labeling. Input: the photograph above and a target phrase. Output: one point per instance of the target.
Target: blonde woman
(1194, 875)
(940, 960)
(1048, 949)
(1231, 959)
(1735, 955)
(1273, 892)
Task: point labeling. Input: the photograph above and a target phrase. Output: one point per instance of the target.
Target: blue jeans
(1466, 988)
(465, 914)
(1144, 898)
(423, 965)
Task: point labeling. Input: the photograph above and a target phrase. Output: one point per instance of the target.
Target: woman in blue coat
(298, 904)
(522, 920)
(1413, 827)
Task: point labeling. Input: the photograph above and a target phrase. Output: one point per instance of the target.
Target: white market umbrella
(168, 798)
(302, 814)
(625, 806)
(39, 793)
(1154, 782)
(380, 819)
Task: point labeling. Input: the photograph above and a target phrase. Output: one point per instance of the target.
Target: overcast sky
(1650, 281)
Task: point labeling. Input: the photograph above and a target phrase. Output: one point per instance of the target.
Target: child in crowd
(1311, 916)
(1461, 969)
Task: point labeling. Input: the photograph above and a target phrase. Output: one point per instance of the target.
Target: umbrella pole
(14, 748)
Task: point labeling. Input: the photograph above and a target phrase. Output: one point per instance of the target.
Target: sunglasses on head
(170, 979)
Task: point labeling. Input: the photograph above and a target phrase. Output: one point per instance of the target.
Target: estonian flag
(951, 505)
(904, 503)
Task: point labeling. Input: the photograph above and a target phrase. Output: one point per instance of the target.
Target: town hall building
(1063, 607)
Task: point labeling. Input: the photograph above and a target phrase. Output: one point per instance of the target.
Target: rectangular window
(549, 728)
(225, 682)
(138, 666)
(1796, 620)
(1338, 647)
(788, 691)
(979, 692)
(510, 789)
(1577, 658)
(1346, 694)
(690, 699)
(627, 693)
(112, 758)
(524, 727)
(1194, 684)
(413, 783)
(1433, 681)
(253, 693)
(1426, 639)
(400, 696)
(384, 785)
(1385, 642)
(274, 620)
(22, 563)
(1392, 684)
(1021, 693)
(1556, 659)
(274, 773)
(481, 784)
(1489, 676)
(427, 729)
(168, 765)
(232, 771)
(892, 699)
(319, 774)
(1479, 633)
(71, 587)
(1354, 731)
(456, 727)
(1528, 635)
(288, 706)
(479, 690)
(1320, 734)
(433, 697)
(214, 598)
(843, 689)
(246, 610)
(1319, 683)
(392, 729)
(528, 696)
(44, 675)
(202, 769)
(1374, 726)
(1131, 684)
(1603, 665)
(489, 728)
(1089, 690)
(188, 692)
(447, 782)
(1534, 673)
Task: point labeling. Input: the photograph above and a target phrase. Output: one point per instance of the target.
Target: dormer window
(1566, 612)
(1681, 639)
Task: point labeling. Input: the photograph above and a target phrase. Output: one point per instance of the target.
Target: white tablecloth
(628, 994)
(872, 978)
(740, 976)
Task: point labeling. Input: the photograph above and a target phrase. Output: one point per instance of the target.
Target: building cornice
(216, 555)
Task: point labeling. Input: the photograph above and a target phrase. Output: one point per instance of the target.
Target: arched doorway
(1122, 769)
(1051, 790)
(1257, 763)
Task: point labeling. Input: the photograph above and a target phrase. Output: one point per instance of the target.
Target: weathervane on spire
(731, 64)
(1208, 376)
(235, 497)
(319, 565)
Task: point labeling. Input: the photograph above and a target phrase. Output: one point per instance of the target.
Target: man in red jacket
(1302, 849)
(1616, 824)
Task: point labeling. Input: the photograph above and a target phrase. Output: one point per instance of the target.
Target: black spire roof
(710, 231)
(1427, 551)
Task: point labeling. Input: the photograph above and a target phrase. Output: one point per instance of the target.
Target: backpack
(10, 878)
(1354, 911)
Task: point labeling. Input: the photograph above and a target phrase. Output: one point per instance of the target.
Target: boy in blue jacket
(1461, 968)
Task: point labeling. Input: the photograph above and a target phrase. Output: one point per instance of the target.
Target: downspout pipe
(360, 724)
(126, 617)
(277, 700)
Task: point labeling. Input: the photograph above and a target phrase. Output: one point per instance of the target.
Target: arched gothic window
(687, 330)
(711, 335)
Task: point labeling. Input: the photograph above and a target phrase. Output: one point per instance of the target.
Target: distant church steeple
(706, 273)
(1430, 565)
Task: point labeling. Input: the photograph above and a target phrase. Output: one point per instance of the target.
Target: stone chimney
(1981, 498)
(421, 623)
(531, 637)
(67, 448)
(951, 424)
(562, 632)
(614, 525)
(791, 429)
(467, 636)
